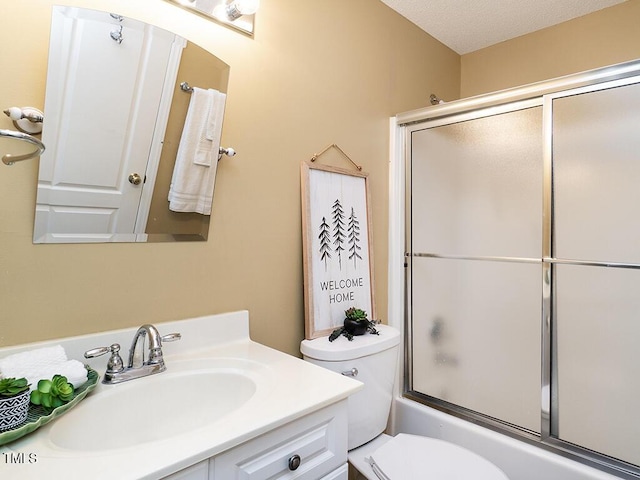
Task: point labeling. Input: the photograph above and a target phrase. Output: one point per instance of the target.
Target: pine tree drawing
(354, 238)
(325, 242)
(338, 229)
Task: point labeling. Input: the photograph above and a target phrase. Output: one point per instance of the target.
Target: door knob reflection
(135, 179)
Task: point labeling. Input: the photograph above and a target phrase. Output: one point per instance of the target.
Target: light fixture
(238, 14)
(238, 8)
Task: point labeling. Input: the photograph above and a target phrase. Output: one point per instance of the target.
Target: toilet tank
(375, 359)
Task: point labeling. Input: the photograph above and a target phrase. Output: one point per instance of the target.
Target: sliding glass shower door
(523, 278)
(476, 218)
(596, 166)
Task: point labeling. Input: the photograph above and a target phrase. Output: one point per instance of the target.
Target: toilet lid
(342, 349)
(416, 457)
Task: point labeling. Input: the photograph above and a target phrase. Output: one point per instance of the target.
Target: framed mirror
(114, 128)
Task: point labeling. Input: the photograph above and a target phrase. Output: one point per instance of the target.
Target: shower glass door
(596, 172)
(476, 218)
(523, 266)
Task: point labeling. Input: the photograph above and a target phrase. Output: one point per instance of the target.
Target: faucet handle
(170, 337)
(115, 363)
(96, 352)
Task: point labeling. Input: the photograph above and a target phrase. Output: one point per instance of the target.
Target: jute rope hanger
(333, 145)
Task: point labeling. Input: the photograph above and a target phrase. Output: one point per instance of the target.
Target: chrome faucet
(155, 346)
(116, 371)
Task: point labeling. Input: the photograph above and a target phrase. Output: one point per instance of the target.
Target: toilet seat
(415, 457)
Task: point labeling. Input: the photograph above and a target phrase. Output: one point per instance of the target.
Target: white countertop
(287, 389)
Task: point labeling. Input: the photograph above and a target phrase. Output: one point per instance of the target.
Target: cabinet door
(308, 449)
(341, 473)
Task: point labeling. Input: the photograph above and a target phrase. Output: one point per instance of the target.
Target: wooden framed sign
(338, 266)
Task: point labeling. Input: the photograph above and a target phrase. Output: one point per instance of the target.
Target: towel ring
(9, 159)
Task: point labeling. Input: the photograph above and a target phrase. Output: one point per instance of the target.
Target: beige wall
(317, 72)
(602, 38)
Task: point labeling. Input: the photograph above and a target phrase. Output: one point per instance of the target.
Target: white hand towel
(197, 126)
(197, 159)
(216, 115)
(32, 360)
(43, 363)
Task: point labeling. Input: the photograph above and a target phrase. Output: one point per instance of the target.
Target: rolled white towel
(74, 370)
(43, 363)
(33, 359)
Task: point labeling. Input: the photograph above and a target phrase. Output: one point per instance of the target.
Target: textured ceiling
(468, 25)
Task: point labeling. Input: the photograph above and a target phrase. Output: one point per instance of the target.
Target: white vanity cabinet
(313, 447)
(292, 425)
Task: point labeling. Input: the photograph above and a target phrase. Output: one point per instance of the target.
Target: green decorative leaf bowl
(37, 416)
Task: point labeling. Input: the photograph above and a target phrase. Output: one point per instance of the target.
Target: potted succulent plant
(355, 323)
(14, 402)
(52, 393)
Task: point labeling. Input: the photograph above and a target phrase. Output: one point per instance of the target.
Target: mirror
(114, 120)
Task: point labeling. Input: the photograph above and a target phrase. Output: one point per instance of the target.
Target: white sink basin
(188, 396)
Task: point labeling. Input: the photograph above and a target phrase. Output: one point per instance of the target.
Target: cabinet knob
(294, 462)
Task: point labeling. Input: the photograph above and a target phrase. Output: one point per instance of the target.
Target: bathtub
(518, 459)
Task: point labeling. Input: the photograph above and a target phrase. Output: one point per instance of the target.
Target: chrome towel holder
(185, 87)
(26, 119)
(229, 152)
(9, 159)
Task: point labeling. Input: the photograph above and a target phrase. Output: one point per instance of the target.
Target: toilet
(372, 359)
